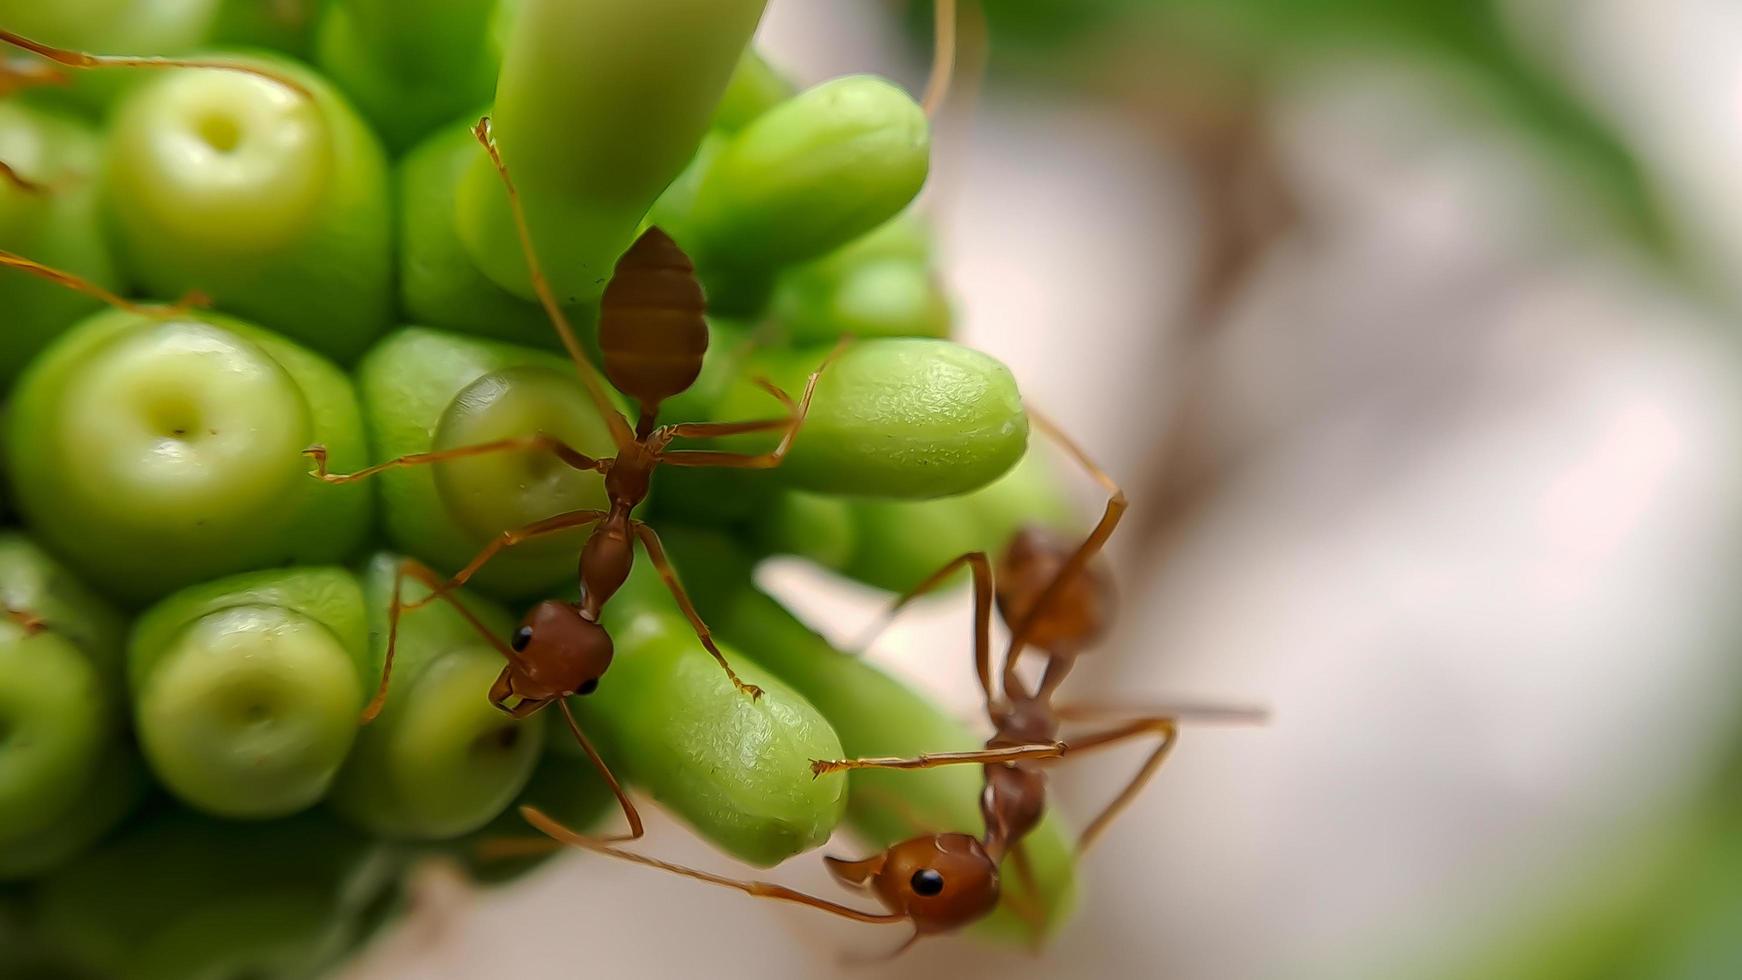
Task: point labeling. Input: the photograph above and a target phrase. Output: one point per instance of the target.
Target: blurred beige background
(1471, 540)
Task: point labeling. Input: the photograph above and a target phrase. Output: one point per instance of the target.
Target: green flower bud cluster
(321, 255)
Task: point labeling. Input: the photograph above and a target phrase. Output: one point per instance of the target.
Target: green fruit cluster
(194, 624)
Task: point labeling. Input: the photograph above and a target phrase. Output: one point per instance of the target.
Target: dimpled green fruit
(274, 204)
(876, 715)
(410, 67)
(151, 454)
(157, 27)
(439, 284)
(440, 760)
(735, 769)
(54, 721)
(58, 224)
(903, 417)
(65, 775)
(111, 788)
(812, 174)
(425, 390)
(599, 105)
(247, 690)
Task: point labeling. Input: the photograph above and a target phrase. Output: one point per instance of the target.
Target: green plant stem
(599, 105)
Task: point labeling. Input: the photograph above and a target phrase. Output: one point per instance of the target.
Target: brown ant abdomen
(652, 328)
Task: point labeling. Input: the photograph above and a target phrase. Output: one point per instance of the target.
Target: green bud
(423, 390)
(875, 715)
(892, 418)
(410, 67)
(247, 690)
(754, 88)
(274, 204)
(440, 760)
(152, 454)
(599, 105)
(439, 284)
(811, 174)
(736, 769)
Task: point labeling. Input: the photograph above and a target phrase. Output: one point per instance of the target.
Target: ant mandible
(1053, 596)
(653, 334)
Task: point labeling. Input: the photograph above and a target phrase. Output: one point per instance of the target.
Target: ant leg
(31, 625)
(943, 65)
(1091, 545)
(983, 757)
(1194, 712)
(540, 441)
(18, 180)
(1166, 730)
(983, 594)
(83, 60)
(629, 812)
(18, 76)
(506, 540)
(396, 607)
(12, 260)
(656, 554)
(1026, 903)
(511, 847)
(621, 432)
(761, 461)
(710, 430)
(850, 959)
(761, 889)
(1057, 669)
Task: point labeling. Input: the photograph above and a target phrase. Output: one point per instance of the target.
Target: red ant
(653, 334)
(30, 624)
(940, 882)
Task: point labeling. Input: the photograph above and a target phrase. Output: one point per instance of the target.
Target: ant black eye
(589, 687)
(522, 637)
(926, 882)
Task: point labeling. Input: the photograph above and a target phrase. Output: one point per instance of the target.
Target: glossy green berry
(247, 690)
(272, 203)
(155, 453)
(424, 390)
(440, 761)
(410, 67)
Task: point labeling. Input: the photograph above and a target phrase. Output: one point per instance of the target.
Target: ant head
(940, 881)
(561, 651)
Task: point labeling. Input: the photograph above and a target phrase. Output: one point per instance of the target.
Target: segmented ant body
(1053, 595)
(653, 335)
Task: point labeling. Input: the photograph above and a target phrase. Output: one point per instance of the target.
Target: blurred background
(1408, 325)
